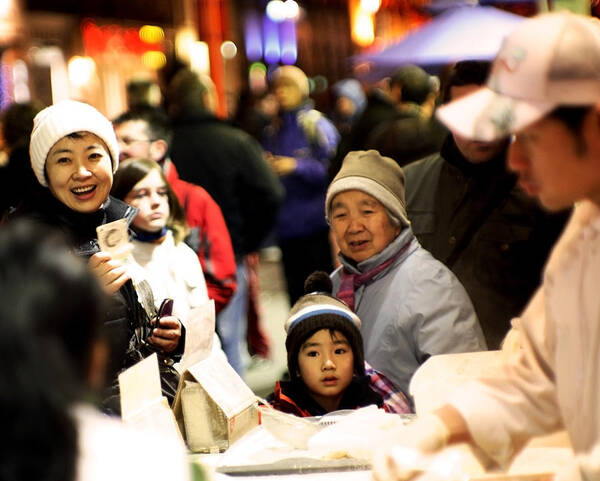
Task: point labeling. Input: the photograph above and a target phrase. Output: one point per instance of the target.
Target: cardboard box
(213, 406)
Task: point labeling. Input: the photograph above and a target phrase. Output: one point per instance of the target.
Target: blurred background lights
(154, 59)
(319, 85)
(257, 77)
(5, 6)
(199, 57)
(20, 75)
(272, 47)
(363, 32)
(292, 10)
(184, 41)
(258, 68)
(370, 6)
(228, 49)
(253, 37)
(151, 34)
(81, 70)
(287, 40)
(276, 10)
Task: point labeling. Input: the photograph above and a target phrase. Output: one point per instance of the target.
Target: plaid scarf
(350, 281)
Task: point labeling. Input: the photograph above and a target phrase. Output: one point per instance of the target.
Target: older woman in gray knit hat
(410, 304)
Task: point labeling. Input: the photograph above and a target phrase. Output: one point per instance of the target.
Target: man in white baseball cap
(544, 88)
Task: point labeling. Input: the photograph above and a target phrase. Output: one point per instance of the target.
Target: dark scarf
(145, 236)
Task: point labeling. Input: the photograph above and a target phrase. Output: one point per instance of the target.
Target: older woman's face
(361, 225)
(79, 172)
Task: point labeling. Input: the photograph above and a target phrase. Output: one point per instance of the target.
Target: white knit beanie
(64, 118)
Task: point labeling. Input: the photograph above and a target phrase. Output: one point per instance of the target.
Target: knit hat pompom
(320, 310)
(62, 119)
(295, 75)
(318, 281)
(370, 172)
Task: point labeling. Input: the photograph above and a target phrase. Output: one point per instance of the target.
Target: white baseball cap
(549, 60)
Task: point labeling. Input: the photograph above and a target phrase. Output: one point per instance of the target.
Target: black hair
(466, 72)
(186, 92)
(50, 317)
(318, 288)
(415, 82)
(157, 121)
(299, 334)
(571, 116)
(17, 123)
(139, 92)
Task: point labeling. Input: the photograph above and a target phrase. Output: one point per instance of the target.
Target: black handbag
(140, 348)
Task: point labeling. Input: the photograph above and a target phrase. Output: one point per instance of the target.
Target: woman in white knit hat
(74, 153)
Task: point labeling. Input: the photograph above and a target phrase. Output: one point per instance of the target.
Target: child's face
(150, 196)
(79, 172)
(326, 365)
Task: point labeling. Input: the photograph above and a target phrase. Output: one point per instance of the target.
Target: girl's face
(151, 197)
(79, 172)
(326, 365)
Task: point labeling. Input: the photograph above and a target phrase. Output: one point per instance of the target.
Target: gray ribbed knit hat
(64, 118)
(374, 174)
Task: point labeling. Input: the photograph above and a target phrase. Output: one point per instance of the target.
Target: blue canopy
(460, 33)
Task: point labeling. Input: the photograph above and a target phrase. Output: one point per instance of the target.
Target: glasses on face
(127, 141)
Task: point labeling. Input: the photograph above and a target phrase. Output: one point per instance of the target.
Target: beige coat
(553, 382)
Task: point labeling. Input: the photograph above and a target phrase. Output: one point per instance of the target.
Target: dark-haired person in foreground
(54, 358)
(544, 88)
(466, 208)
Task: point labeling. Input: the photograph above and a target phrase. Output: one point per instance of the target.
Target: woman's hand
(167, 333)
(111, 273)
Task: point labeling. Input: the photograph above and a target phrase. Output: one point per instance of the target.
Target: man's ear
(158, 150)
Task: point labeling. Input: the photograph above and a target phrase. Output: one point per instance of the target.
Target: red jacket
(209, 237)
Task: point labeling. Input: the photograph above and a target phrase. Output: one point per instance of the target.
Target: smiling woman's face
(361, 225)
(79, 171)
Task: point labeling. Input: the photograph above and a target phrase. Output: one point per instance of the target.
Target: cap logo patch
(508, 62)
